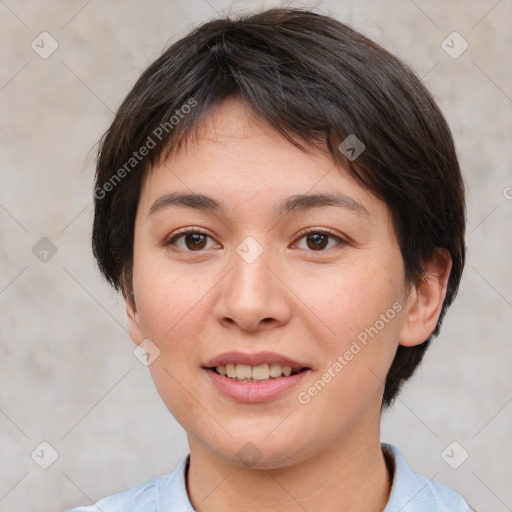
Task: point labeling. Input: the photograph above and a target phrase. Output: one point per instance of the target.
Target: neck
(347, 475)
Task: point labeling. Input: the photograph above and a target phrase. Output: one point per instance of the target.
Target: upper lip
(253, 359)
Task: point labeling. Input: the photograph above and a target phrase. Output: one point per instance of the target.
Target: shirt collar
(410, 492)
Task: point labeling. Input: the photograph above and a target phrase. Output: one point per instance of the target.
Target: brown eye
(317, 240)
(194, 240)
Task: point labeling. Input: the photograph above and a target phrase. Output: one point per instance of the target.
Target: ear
(425, 300)
(132, 317)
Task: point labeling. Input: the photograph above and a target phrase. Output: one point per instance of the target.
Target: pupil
(196, 239)
(316, 240)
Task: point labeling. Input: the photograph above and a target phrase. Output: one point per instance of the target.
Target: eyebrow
(300, 202)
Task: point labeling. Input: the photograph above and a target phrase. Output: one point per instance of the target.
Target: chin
(260, 452)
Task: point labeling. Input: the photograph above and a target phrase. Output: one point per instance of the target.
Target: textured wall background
(68, 374)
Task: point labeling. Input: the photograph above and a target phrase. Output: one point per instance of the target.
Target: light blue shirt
(410, 492)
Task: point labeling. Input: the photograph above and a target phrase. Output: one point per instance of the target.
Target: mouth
(257, 367)
(254, 378)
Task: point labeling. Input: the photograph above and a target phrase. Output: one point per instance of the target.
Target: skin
(294, 299)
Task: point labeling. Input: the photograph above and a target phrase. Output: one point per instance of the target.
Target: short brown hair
(316, 81)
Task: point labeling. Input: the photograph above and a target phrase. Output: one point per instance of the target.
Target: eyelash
(172, 240)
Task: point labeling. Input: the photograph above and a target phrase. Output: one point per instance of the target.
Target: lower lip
(255, 392)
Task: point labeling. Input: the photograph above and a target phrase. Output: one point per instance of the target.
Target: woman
(279, 201)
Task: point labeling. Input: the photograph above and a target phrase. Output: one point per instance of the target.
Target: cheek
(348, 301)
(360, 311)
(171, 314)
(359, 308)
(167, 297)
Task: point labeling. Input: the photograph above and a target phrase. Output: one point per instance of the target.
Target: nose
(253, 296)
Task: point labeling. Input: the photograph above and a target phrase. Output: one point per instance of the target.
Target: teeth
(231, 370)
(243, 371)
(261, 372)
(248, 372)
(275, 370)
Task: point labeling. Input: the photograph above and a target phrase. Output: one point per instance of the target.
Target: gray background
(68, 373)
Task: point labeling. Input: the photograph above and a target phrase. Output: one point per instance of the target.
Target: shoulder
(153, 496)
(411, 492)
(141, 498)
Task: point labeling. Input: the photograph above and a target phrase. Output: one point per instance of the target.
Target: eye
(195, 239)
(317, 240)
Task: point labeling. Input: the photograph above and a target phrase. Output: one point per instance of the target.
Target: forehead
(239, 159)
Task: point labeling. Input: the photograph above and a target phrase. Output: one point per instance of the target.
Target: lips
(255, 391)
(255, 359)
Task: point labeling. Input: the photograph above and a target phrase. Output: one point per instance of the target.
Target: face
(318, 286)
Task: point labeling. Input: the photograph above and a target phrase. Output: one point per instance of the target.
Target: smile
(248, 373)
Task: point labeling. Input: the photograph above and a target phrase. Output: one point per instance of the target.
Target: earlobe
(132, 317)
(425, 300)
